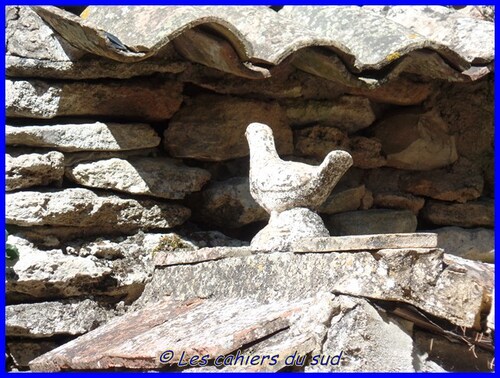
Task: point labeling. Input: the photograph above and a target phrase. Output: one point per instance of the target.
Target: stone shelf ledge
(455, 289)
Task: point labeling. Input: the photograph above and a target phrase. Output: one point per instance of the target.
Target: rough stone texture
(366, 242)
(228, 204)
(474, 244)
(478, 213)
(461, 183)
(370, 341)
(286, 227)
(472, 38)
(414, 276)
(366, 153)
(145, 100)
(376, 221)
(27, 170)
(400, 91)
(343, 199)
(47, 319)
(82, 137)
(221, 326)
(52, 274)
(27, 35)
(210, 239)
(279, 185)
(87, 68)
(157, 177)
(34, 50)
(397, 200)
(117, 268)
(83, 208)
(22, 352)
(211, 127)
(453, 356)
(469, 111)
(319, 141)
(167, 258)
(416, 141)
(348, 113)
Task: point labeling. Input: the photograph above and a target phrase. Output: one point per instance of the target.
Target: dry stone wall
(108, 162)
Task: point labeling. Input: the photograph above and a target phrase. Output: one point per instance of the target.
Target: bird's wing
(284, 176)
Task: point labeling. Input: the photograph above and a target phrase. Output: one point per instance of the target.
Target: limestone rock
(210, 239)
(82, 208)
(196, 327)
(348, 113)
(157, 177)
(366, 153)
(288, 226)
(22, 352)
(376, 221)
(474, 244)
(27, 170)
(228, 204)
(89, 67)
(398, 200)
(343, 199)
(416, 141)
(366, 340)
(479, 213)
(366, 242)
(319, 141)
(167, 258)
(27, 35)
(415, 276)
(398, 91)
(47, 319)
(212, 127)
(52, 274)
(82, 137)
(116, 268)
(461, 183)
(145, 100)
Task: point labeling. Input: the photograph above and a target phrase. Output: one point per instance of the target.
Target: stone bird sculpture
(289, 191)
(279, 185)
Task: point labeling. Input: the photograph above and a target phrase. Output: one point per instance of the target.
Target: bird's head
(259, 130)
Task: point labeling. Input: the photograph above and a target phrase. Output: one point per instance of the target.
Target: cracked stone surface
(83, 208)
(221, 327)
(26, 170)
(47, 319)
(417, 276)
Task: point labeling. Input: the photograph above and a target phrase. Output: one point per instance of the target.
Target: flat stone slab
(196, 327)
(82, 136)
(366, 242)
(417, 276)
(167, 258)
(157, 177)
(47, 319)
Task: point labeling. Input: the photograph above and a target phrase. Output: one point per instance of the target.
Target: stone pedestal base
(287, 227)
